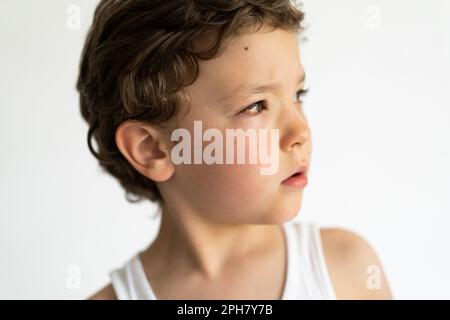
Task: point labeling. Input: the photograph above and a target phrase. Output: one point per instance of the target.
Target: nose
(295, 131)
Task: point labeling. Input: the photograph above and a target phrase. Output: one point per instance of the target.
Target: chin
(281, 214)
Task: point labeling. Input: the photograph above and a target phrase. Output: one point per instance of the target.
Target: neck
(207, 247)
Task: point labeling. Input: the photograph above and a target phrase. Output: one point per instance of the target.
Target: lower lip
(298, 181)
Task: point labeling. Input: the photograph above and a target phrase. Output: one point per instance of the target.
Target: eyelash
(298, 94)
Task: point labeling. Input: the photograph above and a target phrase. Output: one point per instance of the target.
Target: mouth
(298, 179)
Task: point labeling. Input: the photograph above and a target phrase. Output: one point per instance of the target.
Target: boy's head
(149, 67)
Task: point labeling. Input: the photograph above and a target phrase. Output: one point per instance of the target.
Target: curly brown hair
(140, 54)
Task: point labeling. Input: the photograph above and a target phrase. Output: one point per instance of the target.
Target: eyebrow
(257, 88)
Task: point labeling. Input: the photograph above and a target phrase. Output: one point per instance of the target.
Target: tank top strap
(130, 282)
(119, 283)
(312, 261)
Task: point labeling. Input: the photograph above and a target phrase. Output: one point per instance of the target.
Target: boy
(152, 67)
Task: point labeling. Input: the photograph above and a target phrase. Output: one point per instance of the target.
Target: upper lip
(300, 169)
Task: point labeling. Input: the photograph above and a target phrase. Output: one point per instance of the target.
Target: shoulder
(353, 265)
(106, 293)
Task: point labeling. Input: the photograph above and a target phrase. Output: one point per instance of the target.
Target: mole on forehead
(246, 48)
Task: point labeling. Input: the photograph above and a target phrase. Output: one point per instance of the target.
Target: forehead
(260, 57)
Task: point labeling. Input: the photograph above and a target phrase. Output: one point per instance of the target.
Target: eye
(258, 107)
(254, 108)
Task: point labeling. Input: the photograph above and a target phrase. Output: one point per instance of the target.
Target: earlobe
(142, 145)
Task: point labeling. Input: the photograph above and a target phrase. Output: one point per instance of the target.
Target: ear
(144, 148)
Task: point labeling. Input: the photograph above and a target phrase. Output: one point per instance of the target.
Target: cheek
(239, 181)
(241, 193)
(223, 188)
(227, 186)
(236, 180)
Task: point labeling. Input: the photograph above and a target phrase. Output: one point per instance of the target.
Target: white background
(378, 107)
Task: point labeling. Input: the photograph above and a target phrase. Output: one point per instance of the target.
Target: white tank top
(307, 275)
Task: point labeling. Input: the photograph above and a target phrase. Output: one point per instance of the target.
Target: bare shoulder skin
(354, 268)
(106, 293)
